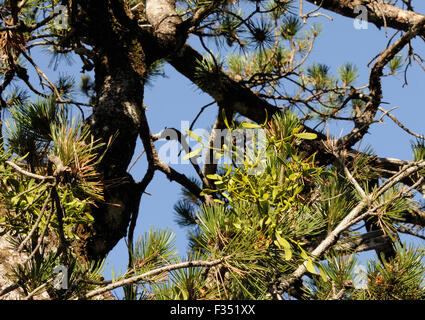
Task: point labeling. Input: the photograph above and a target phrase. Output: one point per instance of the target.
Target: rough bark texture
(9, 258)
(379, 13)
(122, 53)
(120, 68)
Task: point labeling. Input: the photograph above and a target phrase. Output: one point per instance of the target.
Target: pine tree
(281, 209)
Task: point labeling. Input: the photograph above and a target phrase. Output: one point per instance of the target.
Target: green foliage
(29, 127)
(260, 220)
(46, 126)
(338, 199)
(266, 223)
(79, 152)
(153, 249)
(155, 71)
(261, 35)
(290, 27)
(184, 284)
(396, 64)
(278, 8)
(347, 74)
(50, 197)
(207, 73)
(340, 273)
(185, 213)
(37, 276)
(318, 76)
(418, 150)
(401, 278)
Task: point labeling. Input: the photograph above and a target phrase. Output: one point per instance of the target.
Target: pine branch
(353, 217)
(8, 289)
(369, 241)
(395, 17)
(145, 276)
(29, 174)
(366, 118)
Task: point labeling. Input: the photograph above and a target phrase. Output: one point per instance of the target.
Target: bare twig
(29, 174)
(364, 121)
(8, 289)
(135, 161)
(352, 180)
(152, 273)
(41, 238)
(397, 122)
(35, 291)
(408, 230)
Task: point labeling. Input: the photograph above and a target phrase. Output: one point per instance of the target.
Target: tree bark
(120, 66)
(122, 54)
(379, 13)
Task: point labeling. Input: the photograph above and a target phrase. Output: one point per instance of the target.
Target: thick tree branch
(106, 27)
(380, 14)
(368, 241)
(353, 217)
(364, 121)
(167, 25)
(230, 94)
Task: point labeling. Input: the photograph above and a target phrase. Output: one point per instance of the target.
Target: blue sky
(174, 99)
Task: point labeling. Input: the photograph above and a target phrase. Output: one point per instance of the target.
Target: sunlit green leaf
(192, 154)
(194, 136)
(306, 135)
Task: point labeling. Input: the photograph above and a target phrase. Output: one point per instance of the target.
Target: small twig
(34, 202)
(135, 161)
(140, 4)
(340, 294)
(60, 213)
(354, 181)
(27, 173)
(333, 197)
(199, 114)
(135, 279)
(29, 27)
(37, 222)
(30, 190)
(34, 292)
(409, 231)
(40, 239)
(392, 117)
(142, 185)
(9, 289)
(406, 171)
